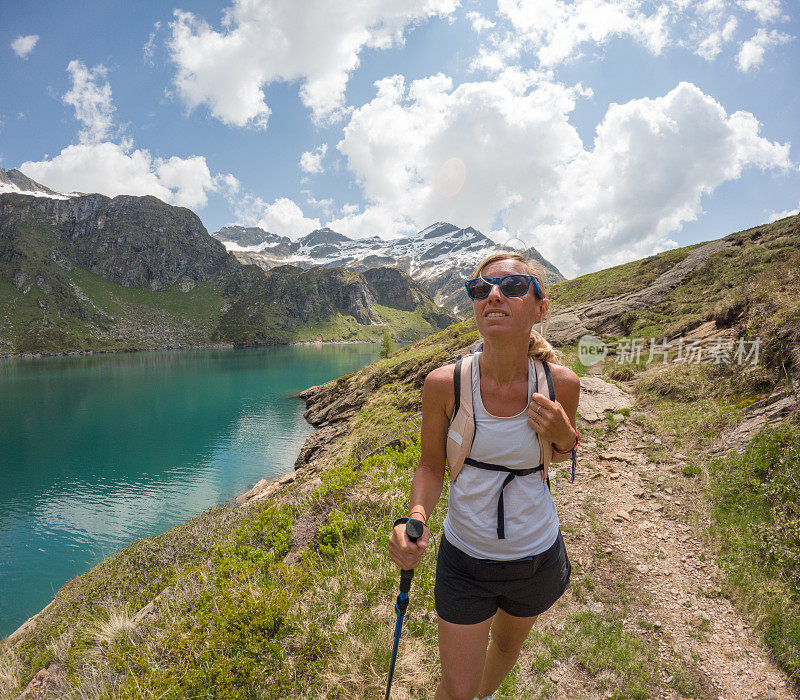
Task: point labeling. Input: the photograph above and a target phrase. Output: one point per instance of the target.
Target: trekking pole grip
(414, 530)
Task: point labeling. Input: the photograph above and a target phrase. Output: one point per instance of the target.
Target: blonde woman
(502, 560)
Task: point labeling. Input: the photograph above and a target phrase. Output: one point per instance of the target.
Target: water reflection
(97, 452)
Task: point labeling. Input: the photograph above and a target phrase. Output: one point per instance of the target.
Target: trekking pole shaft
(414, 530)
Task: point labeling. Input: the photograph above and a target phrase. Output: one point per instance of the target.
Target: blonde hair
(538, 348)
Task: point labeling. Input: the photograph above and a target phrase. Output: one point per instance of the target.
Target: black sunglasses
(510, 285)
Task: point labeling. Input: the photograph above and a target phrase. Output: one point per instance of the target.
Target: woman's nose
(495, 292)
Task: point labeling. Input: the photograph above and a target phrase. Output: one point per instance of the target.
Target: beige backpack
(462, 425)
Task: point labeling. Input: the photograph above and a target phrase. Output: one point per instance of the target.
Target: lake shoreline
(212, 346)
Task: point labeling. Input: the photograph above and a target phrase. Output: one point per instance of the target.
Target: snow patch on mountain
(440, 256)
(15, 182)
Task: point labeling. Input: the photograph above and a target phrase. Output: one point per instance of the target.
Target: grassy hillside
(95, 314)
(619, 279)
(291, 595)
(751, 285)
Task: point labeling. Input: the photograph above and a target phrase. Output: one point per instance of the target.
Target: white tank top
(531, 520)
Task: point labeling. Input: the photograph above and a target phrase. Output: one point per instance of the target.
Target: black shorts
(470, 590)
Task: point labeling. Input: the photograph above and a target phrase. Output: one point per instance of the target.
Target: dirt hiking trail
(637, 526)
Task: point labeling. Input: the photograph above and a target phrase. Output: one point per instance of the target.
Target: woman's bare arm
(426, 488)
(555, 421)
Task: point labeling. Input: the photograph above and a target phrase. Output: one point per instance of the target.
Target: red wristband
(566, 452)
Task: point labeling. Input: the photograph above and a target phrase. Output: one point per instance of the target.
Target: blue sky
(599, 131)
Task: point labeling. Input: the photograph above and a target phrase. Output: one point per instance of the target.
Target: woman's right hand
(405, 553)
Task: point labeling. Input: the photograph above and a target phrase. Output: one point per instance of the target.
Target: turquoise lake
(99, 451)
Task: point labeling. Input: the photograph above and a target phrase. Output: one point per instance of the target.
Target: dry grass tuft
(116, 624)
(9, 673)
(61, 646)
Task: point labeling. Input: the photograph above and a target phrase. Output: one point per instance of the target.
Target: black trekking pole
(414, 530)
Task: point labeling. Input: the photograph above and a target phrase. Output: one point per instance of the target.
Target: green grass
(620, 279)
(202, 301)
(403, 325)
(756, 508)
(102, 315)
(623, 665)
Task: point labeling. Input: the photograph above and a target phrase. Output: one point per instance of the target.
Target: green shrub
(341, 526)
(339, 477)
(691, 470)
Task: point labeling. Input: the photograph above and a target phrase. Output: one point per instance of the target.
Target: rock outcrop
(603, 315)
(598, 396)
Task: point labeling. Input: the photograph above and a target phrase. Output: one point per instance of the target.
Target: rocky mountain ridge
(89, 272)
(16, 182)
(439, 257)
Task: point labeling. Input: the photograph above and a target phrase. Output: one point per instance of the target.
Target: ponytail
(540, 349)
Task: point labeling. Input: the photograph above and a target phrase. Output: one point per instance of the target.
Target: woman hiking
(501, 559)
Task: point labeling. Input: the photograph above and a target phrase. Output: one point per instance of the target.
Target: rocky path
(646, 533)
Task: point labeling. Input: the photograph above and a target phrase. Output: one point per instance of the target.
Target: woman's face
(499, 316)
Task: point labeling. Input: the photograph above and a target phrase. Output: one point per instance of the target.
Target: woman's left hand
(550, 420)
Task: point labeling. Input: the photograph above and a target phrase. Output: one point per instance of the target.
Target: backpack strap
(457, 386)
(551, 392)
(462, 423)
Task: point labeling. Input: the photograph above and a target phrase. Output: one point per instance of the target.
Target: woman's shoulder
(439, 377)
(445, 372)
(564, 377)
(439, 388)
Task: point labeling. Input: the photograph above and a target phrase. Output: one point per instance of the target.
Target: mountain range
(440, 257)
(89, 272)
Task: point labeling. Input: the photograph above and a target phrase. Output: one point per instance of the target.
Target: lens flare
(451, 177)
(511, 242)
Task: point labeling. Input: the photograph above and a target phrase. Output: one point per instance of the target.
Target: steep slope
(89, 272)
(746, 282)
(290, 303)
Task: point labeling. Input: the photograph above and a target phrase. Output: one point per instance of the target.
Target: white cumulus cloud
(23, 45)
(479, 22)
(263, 41)
(504, 150)
(557, 31)
(311, 161)
(752, 51)
(112, 169)
(283, 216)
(402, 145)
(711, 47)
(651, 163)
(765, 10)
(91, 100)
(97, 164)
